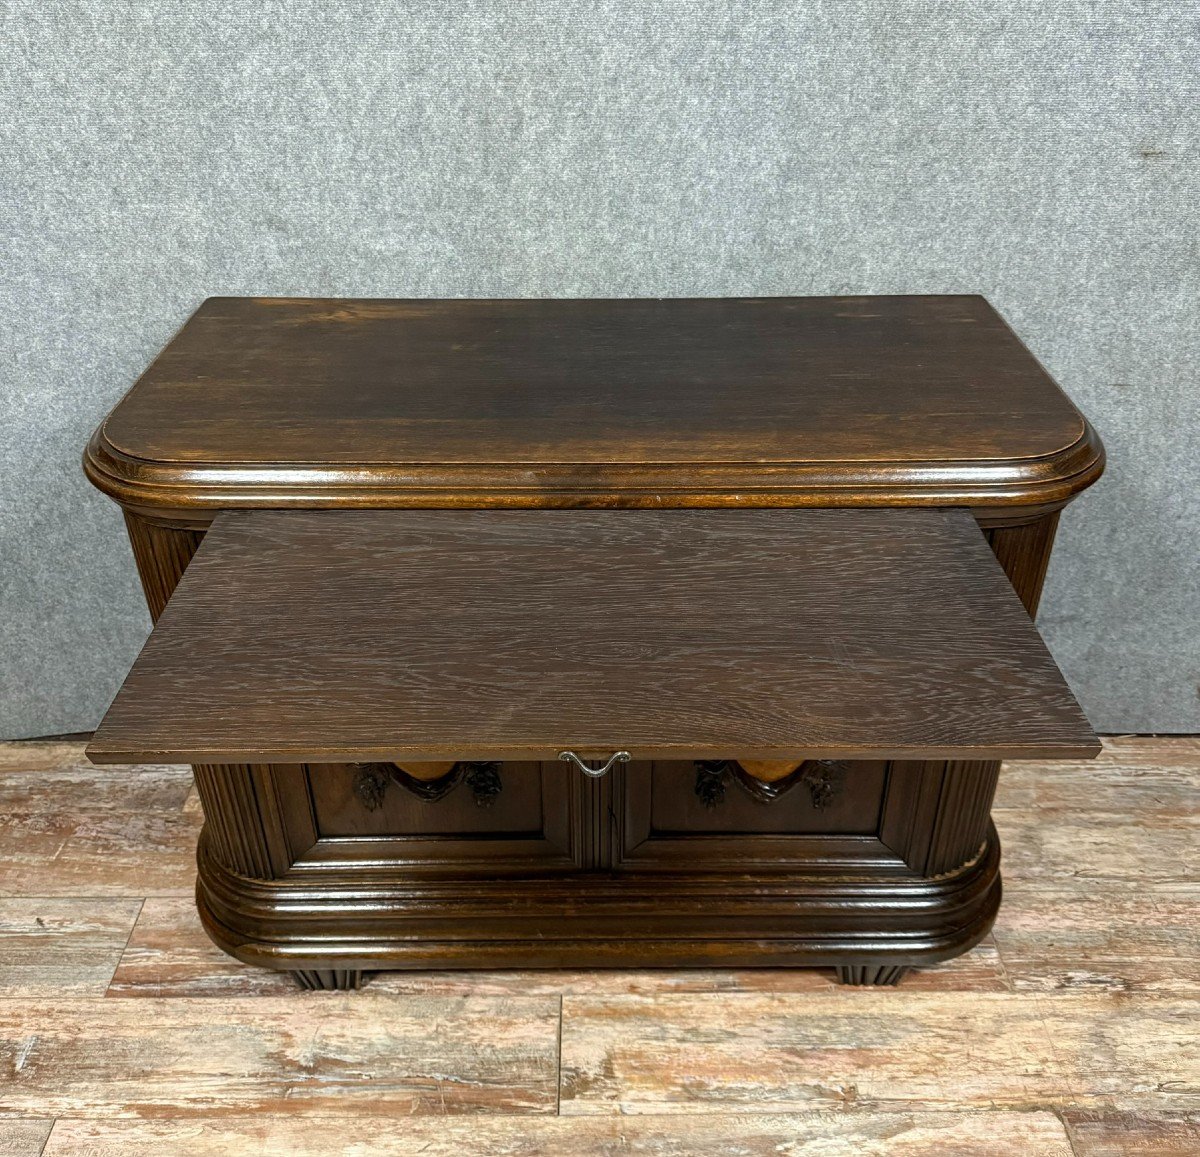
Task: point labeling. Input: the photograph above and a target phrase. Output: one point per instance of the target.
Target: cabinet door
(486, 818)
(699, 815)
(516, 817)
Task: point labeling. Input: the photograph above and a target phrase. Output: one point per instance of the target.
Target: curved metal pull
(594, 772)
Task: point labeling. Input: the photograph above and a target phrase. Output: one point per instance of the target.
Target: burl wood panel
(742, 402)
(511, 635)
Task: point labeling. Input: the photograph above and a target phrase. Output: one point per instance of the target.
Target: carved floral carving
(822, 777)
(481, 778)
(710, 781)
(369, 785)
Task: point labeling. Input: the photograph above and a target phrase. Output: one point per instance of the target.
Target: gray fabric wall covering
(1043, 154)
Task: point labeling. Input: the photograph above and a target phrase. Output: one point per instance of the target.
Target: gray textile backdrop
(1041, 153)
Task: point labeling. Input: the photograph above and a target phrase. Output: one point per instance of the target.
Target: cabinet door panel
(517, 807)
(662, 820)
(837, 799)
(528, 818)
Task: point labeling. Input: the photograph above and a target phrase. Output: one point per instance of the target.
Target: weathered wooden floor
(1073, 1030)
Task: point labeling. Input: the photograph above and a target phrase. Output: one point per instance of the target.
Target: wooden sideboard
(594, 633)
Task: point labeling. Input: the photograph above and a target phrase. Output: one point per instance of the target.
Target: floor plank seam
(128, 941)
(1066, 1128)
(558, 1079)
(1005, 976)
(49, 1134)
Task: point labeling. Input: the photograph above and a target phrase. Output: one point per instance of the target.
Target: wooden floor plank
(1123, 1134)
(1110, 819)
(60, 948)
(1132, 848)
(90, 790)
(1131, 771)
(1094, 936)
(879, 1049)
(310, 1053)
(23, 1138)
(78, 830)
(60, 853)
(845, 1134)
(41, 754)
(169, 955)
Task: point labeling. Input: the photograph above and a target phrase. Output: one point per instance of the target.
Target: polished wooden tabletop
(594, 381)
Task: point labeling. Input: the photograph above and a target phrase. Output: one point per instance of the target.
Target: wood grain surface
(356, 1054)
(417, 635)
(1070, 1034)
(995, 1134)
(55, 946)
(1111, 1133)
(169, 955)
(64, 832)
(23, 1138)
(717, 380)
(633, 1055)
(751, 401)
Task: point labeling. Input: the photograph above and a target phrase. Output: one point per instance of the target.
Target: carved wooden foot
(871, 973)
(329, 978)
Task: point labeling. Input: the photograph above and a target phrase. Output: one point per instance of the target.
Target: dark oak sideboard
(594, 633)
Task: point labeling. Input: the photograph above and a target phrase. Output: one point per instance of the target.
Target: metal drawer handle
(594, 772)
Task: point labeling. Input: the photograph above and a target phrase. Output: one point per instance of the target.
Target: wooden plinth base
(343, 979)
(329, 926)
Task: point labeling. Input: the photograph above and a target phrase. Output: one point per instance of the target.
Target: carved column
(162, 554)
